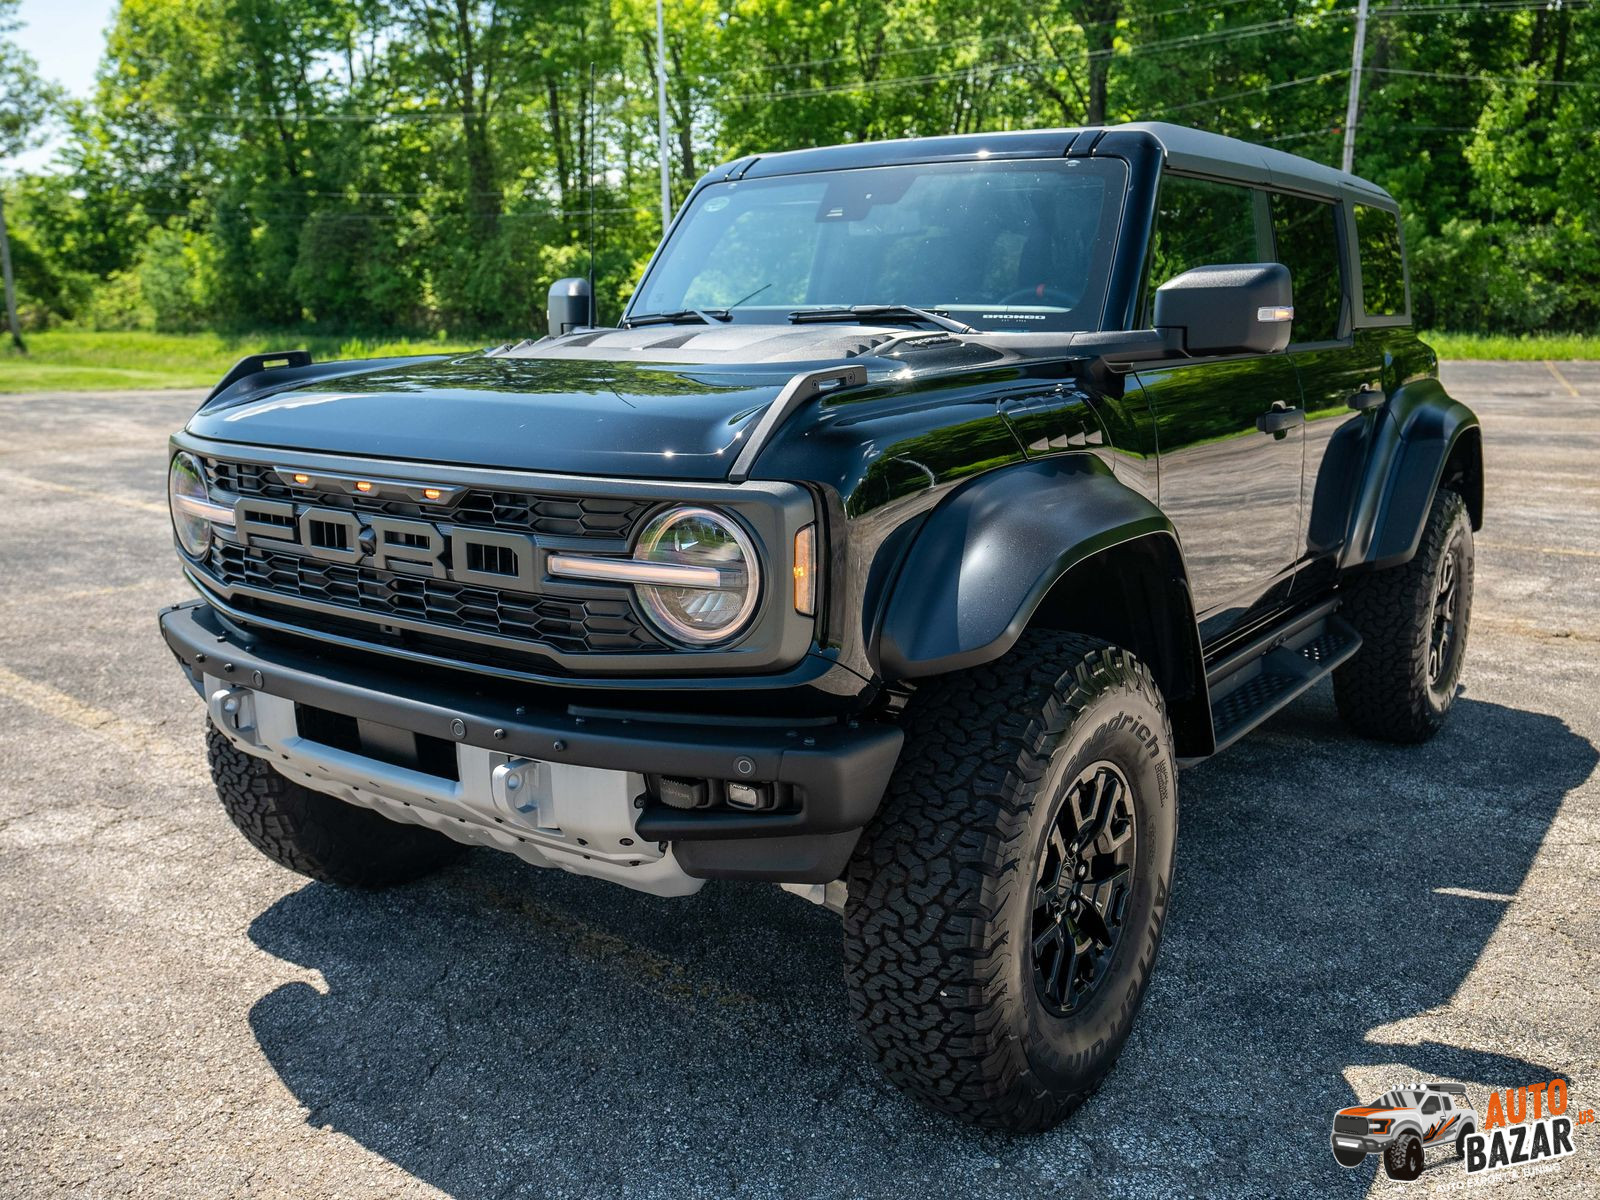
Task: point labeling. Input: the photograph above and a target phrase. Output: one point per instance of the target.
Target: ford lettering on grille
(483, 557)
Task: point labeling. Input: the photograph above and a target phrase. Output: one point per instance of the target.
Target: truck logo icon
(1402, 1124)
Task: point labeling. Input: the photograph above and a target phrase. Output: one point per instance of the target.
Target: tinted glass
(1383, 281)
(1001, 245)
(1307, 240)
(1199, 224)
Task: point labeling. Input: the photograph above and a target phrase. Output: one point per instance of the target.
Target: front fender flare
(985, 559)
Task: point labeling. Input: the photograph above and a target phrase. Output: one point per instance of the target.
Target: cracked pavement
(179, 1017)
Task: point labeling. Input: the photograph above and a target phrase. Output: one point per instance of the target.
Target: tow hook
(233, 709)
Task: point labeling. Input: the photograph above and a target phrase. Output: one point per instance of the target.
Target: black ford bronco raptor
(931, 504)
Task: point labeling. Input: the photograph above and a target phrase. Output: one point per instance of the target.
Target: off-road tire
(1402, 1158)
(938, 949)
(316, 834)
(1461, 1140)
(1384, 691)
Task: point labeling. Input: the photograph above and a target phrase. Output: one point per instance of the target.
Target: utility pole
(661, 119)
(1354, 106)
(11, 287)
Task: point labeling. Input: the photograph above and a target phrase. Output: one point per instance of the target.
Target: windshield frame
(1105, 262)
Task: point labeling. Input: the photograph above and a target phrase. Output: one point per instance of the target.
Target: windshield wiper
(880, 312)
(706, 316)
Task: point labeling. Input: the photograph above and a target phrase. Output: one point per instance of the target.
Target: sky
(66, 37)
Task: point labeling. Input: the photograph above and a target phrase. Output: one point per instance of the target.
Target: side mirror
(569, 306)
(1243, 308)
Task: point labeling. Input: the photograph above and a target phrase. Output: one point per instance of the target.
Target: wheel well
(1463, 472)
(1136, 595)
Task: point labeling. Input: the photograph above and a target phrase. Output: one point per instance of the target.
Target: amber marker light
(302, 480)
(431, 493)
(363, 487)
(805, 571)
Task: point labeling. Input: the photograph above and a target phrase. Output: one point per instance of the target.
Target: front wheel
(1006, 905)
(315, 834)
(1403, 1158)
(1347, 1156)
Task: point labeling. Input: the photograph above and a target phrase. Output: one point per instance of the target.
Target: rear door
(1230, 487)
(1337, 376)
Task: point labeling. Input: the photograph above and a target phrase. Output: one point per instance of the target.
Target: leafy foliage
(425, 164)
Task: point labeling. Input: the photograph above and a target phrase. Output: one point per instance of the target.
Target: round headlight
(187, 499)
(723, 605)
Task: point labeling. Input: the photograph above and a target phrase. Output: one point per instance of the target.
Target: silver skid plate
(580, 819)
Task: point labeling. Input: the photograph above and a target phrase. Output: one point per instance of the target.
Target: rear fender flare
(1421, 432)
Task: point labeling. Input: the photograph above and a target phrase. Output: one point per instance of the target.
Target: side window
(1431, 1105)
(1199, 224)
(1383, 280)
(1307, 239)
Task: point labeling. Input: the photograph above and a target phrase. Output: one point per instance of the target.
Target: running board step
(1249, 687)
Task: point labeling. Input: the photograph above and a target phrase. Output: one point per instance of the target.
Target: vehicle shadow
(502, 1030)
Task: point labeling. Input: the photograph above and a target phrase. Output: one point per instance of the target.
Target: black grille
(1355, 1125)
(596, 626)
(520, 512)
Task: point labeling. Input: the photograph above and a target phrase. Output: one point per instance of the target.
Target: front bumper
(838, 770)
(1358, 1143)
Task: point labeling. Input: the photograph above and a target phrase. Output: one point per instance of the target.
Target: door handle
(1367, 397)
(1279, 419)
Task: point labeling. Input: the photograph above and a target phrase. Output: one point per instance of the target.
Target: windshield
(1397, 1099)
(1000, 245)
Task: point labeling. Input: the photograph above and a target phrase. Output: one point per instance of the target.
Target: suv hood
(657, 402)
(582, 418)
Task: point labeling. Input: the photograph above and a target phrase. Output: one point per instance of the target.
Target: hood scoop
(710, 344)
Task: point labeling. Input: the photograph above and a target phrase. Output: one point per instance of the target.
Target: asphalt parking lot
(180, 1017)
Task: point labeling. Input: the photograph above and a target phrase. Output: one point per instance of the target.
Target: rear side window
(1307, 240)
(1383, 278)
(1199, 224)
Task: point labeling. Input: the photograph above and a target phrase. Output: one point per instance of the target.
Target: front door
(1229, 431)
(1229, 435)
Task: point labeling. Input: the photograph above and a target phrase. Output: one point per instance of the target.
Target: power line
(1196, 40)
(1511, 79)
(976, 42)
(1259, 91)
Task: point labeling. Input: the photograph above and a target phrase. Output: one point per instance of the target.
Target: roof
(1185, 149)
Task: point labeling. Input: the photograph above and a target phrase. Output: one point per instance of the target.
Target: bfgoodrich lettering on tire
(1006, 905)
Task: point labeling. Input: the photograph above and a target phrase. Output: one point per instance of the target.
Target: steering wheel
(1039, 293)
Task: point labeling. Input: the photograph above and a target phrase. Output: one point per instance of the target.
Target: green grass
(1505, 347)
(83, 361)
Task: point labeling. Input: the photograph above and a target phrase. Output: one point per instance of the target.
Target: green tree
(25, 101)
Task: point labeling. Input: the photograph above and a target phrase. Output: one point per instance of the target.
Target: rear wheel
(1006, 905)
(1413, 623)
(315, 834)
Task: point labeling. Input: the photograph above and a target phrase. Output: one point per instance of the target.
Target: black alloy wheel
(1446, 604)
(1080, 894)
